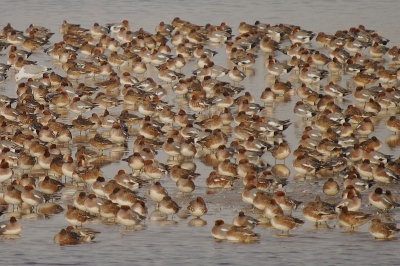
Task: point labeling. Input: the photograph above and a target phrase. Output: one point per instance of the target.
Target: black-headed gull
(31, 71)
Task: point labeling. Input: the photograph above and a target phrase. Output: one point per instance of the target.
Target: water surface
(178, 243)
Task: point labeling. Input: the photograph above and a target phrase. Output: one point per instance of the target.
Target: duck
(33, 197)
(11, 227)
(381, 201)
(215, 180)
(77, 217)
(271, 208)
(245, 221)
(157, 192)
(382, 174)
(306, 164)
(250, 192)
(358, 183)
(318, 211)
(220, 229)
(197, 207)
(127, 217)
(268, 96)
(128, 181)
(311, 76)
(50, 186)
(286, 203)
(100, 143)
(393, 124)
(277, 68)
(12, 195)
(285, 223)
(301, 36)
(239, 234)
(352, 201)
(280, 151)
(352, 219)
(382, 230)
(69, 237)
(236, 75)
(154, 169)
(168, 206)
(304, 110)
(185, 184)
(330, 187)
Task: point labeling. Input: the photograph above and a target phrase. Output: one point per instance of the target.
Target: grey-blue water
(178, 243)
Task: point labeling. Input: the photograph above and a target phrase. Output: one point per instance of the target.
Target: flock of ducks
(199, 114)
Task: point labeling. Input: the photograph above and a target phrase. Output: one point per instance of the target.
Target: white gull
(31, 71)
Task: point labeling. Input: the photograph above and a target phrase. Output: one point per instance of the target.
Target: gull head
(17, 77)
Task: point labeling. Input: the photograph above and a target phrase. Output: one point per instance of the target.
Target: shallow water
(177, 242)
